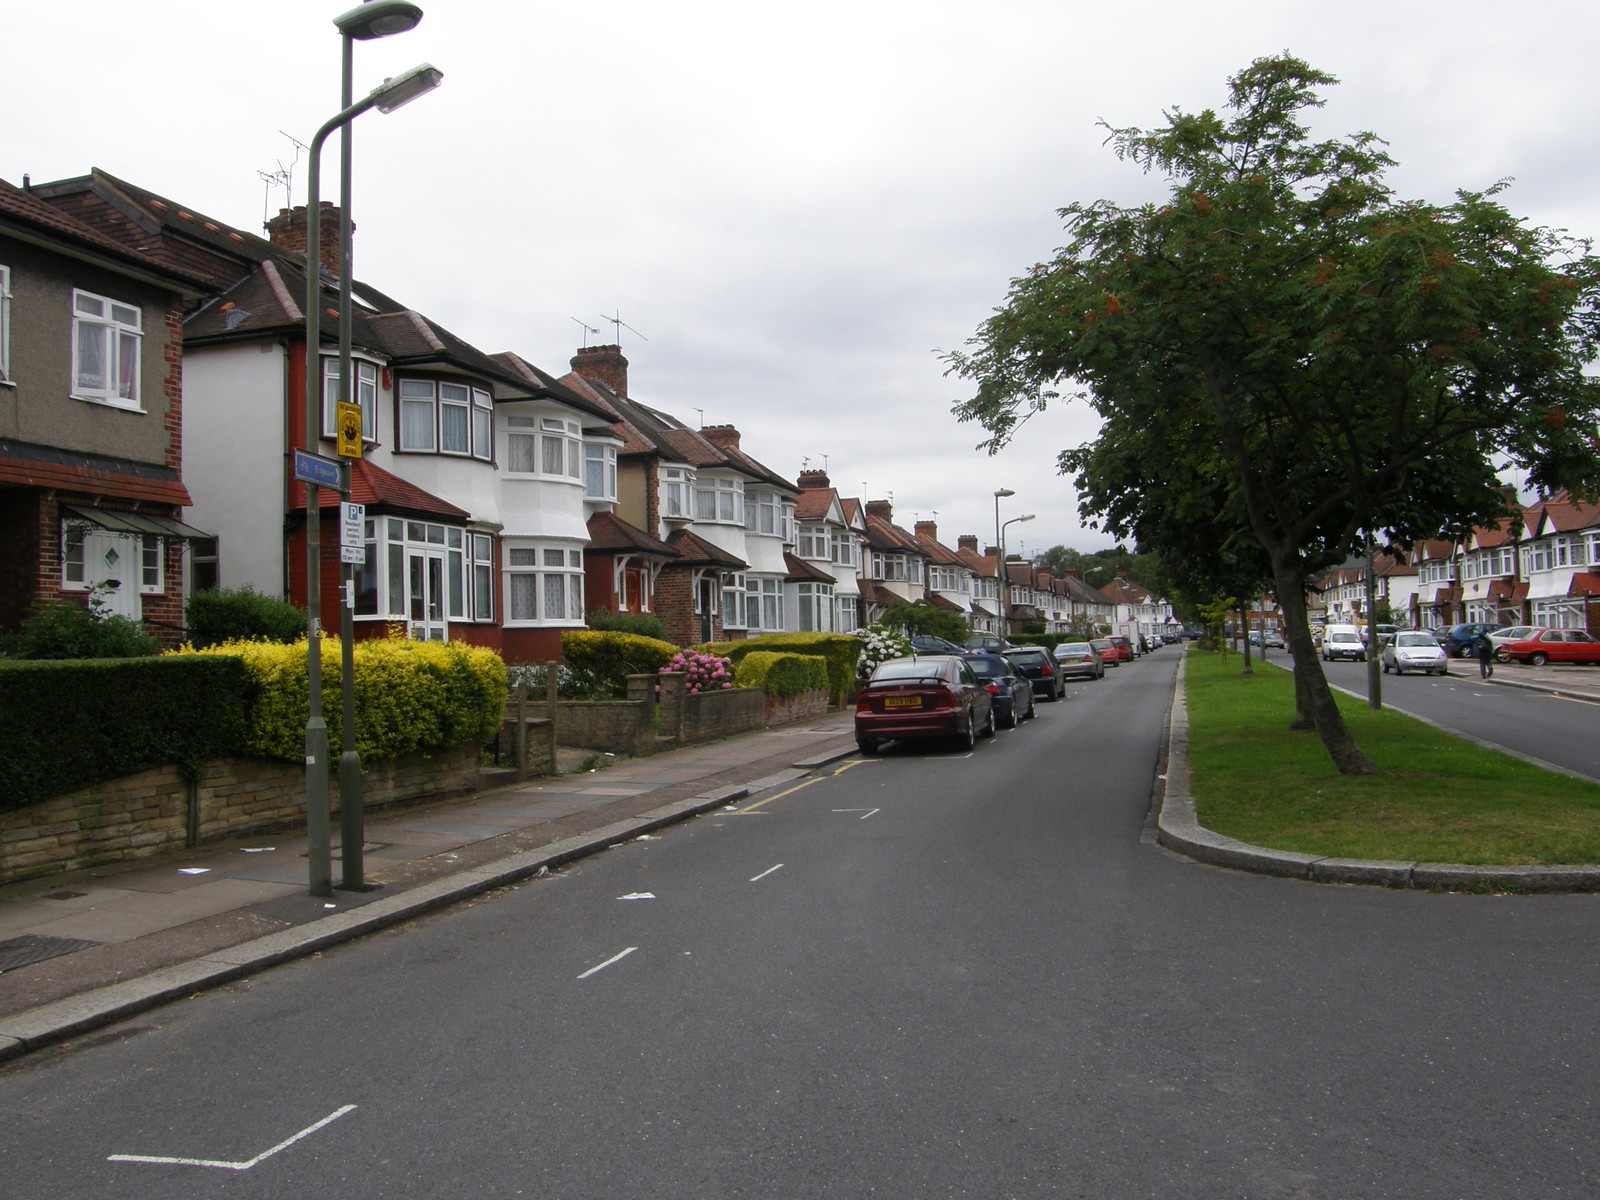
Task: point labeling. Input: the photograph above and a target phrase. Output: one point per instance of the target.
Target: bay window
(544, 584)
(814, 542)
(735, 609)
(765, 600)
(676, 484)
(816, 604)
(720, 500)
(761, 513)
(425, 573)
(548, 446)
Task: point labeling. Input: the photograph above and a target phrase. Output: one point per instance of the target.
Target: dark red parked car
(930, 696)
(1551, 645)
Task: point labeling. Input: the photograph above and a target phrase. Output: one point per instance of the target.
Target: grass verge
(1437, 799)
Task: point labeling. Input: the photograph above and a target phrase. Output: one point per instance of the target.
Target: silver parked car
(1079, 660)
(1413, 650)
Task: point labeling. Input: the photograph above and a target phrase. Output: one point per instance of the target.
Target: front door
(111, 564)
(707, 605)
(425, 595)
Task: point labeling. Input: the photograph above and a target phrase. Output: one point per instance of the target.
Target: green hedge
(409, 695)
(72, 723)
(220, 615)
(838, 650)
(781, 675)
(600, 662)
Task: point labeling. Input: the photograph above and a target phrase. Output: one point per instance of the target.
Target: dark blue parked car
(1010, 691)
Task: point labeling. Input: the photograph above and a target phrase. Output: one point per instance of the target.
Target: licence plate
(902, 702)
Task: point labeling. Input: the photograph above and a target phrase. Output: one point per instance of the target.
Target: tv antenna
(587, 330)
(283, 177)
(702, 413)
(621, 325)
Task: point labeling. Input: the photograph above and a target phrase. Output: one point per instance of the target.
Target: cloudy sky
(792, 210)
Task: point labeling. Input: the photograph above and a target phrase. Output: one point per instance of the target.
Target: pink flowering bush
(702, 672)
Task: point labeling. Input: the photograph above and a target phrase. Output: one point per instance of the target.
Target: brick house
(92, 487)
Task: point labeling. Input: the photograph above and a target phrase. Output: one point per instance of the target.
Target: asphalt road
(1553, 729)
(923, 975)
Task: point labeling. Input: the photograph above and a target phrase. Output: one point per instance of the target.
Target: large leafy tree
(1286, 342)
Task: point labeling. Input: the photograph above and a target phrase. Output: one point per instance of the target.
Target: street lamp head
(403, 89)
(1029, 517)
(378, 18)
(1005, 492)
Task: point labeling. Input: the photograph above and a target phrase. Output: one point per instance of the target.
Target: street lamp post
(999, 565)
(1005, 579)
(387, 97)
(371, 20)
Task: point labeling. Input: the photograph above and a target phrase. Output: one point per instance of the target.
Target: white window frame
(472, 407)
(677, 493)
(121, 327)
(599, 471)
(735, 604)
(765, 600)
(544, 583)
(365, 393)
(383, 570)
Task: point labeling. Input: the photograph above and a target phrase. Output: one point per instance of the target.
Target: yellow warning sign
(349, 422)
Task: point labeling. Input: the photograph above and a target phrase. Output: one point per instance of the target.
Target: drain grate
(33, 947)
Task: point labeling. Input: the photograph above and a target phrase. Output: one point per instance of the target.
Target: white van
(1343, 641)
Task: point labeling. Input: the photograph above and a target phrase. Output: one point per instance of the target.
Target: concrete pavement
(86, 948)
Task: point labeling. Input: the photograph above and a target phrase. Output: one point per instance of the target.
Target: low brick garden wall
(157, 810)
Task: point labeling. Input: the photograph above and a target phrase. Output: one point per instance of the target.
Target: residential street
(925, 975)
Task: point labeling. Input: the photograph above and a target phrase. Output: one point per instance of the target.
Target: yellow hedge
(409, 695)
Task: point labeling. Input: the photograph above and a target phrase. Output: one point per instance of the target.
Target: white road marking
(234, 1166)
(868, 811)
(638, 896)
(767, 872)
(615, 958)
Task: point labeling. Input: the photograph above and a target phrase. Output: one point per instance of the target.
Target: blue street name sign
(311, 468)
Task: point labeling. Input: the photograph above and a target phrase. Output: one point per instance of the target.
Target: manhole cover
(33, 947)
(64, 894)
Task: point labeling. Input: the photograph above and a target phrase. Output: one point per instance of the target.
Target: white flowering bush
(879, 645)
(701, 672)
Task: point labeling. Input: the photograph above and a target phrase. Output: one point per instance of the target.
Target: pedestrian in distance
(1484, 649)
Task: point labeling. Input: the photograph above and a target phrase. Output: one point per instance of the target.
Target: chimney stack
(880, 508)
(928, 529)
(967, 543)
(287, 231)
(810, 480)
(725, 436)
(603, 365)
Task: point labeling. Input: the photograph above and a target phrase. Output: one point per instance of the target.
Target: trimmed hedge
(221, 615)
(409, 695)
(838, 650)
(601, 661)
(72, 723)
(781, 675)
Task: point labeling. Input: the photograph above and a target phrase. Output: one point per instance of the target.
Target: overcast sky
(793, 209)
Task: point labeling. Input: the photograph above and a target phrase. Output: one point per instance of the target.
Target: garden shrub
(701, 672)
(241, 615)
(839, 650)
(63, 629)
(781, 675)
(600, 662)
(409, 695)
(644, 624)
(878, 645)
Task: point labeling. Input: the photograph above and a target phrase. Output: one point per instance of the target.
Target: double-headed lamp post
(387, 97)
(1005, 577)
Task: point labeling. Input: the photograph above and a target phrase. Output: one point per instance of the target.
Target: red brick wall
(675, 605)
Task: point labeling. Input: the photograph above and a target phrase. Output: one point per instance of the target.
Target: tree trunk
(1313, 697)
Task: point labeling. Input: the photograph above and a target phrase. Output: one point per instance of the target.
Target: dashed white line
(767, 872)
(868, 811)
(615, 958)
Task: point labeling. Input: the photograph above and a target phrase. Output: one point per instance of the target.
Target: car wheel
(1032, 712)
(1500, 656)
(867, 746)
(1011, 716)
(1538, 658)
(988, 728)
(967, 739)
(1386, 667)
